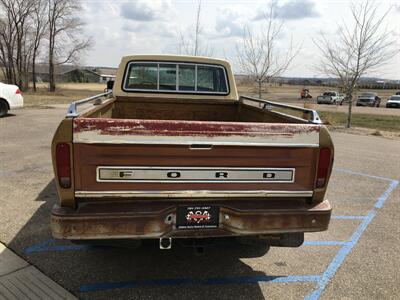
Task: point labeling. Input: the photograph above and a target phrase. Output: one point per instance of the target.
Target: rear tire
(3, 108)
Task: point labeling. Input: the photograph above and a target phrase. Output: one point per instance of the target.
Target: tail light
(63, 162)
(324, 164)
(18, 92)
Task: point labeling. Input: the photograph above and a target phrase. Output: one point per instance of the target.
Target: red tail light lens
(324, 164)
(63, 162)
(18, 91)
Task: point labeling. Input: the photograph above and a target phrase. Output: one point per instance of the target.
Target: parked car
(330, 97)
(10, 98)
(398, 93)
(369, 99)
(393, 101)
(174, 153)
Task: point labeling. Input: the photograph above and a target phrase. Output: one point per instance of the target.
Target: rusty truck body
(173, 152)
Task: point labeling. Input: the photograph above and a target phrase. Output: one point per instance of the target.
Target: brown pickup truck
(172, 152)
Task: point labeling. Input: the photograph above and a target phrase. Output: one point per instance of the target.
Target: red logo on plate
(198, 216)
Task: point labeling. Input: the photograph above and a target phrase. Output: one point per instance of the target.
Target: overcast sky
(120, 28)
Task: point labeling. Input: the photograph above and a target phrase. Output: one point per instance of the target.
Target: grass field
(378, 122)
(66, 93)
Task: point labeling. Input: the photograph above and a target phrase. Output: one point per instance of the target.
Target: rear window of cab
(174, 77)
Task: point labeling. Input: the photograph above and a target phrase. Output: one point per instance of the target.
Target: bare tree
(26, 59)
(7, 44)
(197, 29)
(64, 28)
(23, 25)
(361, 47)
(21, 12)
(259, 55)
(39, 21)
(190, 43)
(14, 48)
(21, 33)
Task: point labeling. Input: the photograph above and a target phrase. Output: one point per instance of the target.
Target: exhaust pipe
(165, 243)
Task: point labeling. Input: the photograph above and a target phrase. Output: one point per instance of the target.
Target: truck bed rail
(72, 110)
(268, 105)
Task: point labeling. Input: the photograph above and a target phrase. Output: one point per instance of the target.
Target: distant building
(106, 74)
(42, 71)
(71, 73)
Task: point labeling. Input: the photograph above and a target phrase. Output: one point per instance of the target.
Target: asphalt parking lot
(358, 257)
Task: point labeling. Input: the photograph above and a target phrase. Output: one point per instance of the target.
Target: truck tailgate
(160, 158)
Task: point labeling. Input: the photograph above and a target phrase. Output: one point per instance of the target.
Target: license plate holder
(197, 217)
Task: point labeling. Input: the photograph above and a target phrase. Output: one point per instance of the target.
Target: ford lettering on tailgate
(193, 174)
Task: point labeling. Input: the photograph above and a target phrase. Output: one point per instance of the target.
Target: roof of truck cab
(176, 58)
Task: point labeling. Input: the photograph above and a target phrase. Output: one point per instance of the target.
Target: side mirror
(110, 86)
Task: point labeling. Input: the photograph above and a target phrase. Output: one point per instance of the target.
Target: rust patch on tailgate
(188, 128)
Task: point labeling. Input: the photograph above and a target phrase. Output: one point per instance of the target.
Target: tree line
(30, 30)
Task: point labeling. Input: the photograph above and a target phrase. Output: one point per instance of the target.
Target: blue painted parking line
(321, 280)
(324, 243)
(348, 217)
(385, 195)
(37, 247)
(339, 259)
(48, 245)
(361, 174)
(191, 281)
(348, 247)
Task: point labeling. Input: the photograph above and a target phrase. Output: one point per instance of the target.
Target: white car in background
(393, 101)
(330, 97)
(10, 98)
